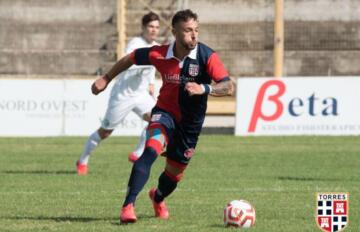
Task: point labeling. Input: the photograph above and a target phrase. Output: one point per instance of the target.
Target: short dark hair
(184, 16)
(149, 17)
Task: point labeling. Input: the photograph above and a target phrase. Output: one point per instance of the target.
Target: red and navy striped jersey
(202, 66)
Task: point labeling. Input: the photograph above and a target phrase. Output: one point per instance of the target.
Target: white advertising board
(31, 107)
(298, 106)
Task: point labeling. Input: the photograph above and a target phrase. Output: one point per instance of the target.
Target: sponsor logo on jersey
(172, 78)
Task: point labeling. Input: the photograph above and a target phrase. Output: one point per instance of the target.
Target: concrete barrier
(231, 11)
(57, 11)
(305, 63)
(87, 62)
(79, 36)
(55, 37)
(65, 37)
(299, 35)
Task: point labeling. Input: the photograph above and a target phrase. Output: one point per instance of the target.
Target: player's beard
(189, 46)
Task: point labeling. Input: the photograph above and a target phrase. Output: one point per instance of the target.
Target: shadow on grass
(221, 226)
(60, 218)
(140, 217)
(113, 220)
(292, 178)
(39, 172)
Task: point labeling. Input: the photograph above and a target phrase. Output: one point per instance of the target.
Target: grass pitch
(40, 191)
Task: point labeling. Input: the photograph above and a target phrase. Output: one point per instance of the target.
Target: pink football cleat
(159, 208)
(82, 169)
(127, 214)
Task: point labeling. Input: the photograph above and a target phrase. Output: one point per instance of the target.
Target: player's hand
(99, 85)
(151, 89)
(194, 89)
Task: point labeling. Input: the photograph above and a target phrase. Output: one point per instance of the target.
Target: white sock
(141, 144)
(89, 146)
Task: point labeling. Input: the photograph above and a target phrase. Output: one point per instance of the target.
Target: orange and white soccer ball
(239, 213)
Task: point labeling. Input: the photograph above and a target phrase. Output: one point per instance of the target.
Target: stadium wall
(78, 37)
(321, 39)
(58, 37)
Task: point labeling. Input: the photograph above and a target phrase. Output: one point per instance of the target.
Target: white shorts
(120, 106)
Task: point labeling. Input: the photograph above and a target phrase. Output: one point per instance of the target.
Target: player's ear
(173, 31)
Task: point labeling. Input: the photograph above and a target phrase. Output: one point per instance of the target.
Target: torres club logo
(193, 70)
(332, 211)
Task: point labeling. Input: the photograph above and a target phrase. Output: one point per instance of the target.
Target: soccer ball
(239, 213)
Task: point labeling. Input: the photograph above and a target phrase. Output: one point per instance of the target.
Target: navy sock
(140, 174)
(165, 188)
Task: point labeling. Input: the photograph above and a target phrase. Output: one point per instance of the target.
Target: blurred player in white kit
(133, 91)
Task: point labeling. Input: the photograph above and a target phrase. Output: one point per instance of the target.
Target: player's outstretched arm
(101, 83)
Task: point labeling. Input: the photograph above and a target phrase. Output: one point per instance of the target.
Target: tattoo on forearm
(222, 88)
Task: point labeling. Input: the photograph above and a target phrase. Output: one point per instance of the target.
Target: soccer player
(187, 68)
(133, 91)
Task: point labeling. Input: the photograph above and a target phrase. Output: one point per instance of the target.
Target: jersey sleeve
(131, 46)
(148, 72)
(141, 56)
(216, 69)
(152, 76)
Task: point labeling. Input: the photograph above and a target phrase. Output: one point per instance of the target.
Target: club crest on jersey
(155, 117)
(193, 70)
(332, 211)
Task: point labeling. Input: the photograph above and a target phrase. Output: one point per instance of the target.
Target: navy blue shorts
(181, 141)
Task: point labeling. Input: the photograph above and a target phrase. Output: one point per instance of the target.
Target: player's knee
(146, 159)
(174, 170)
(174, 177)
(156, 137)
(103, 133)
